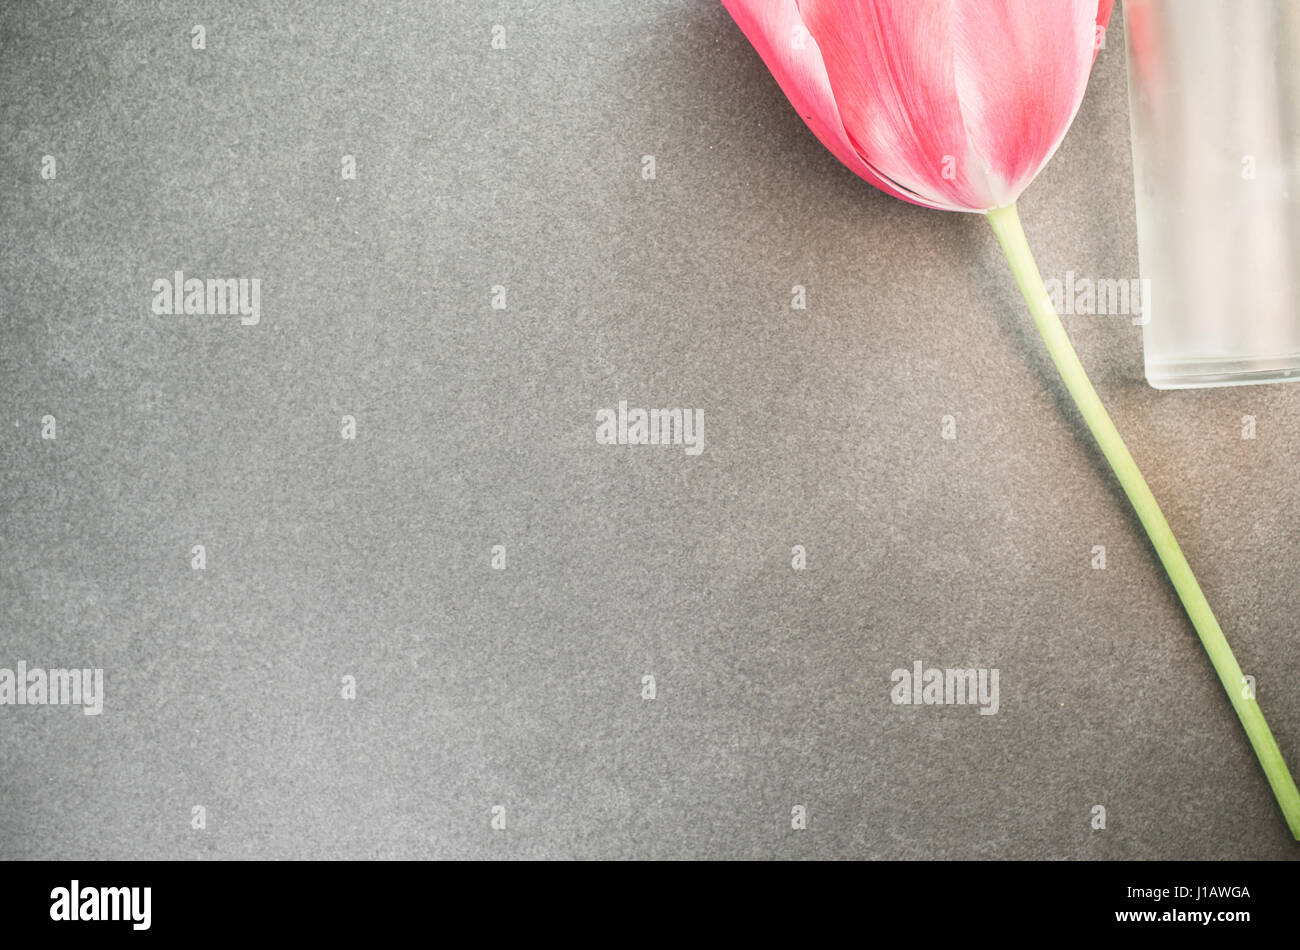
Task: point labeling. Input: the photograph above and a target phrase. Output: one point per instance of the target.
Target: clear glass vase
(1214, 100)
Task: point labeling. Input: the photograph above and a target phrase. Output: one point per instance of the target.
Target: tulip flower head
(950, 104)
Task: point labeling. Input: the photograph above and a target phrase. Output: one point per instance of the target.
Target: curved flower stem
(1006, 225)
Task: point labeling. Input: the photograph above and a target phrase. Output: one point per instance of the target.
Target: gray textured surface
(521, 687)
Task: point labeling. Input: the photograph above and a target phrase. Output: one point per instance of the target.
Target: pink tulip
(951, 104)
(958, 105)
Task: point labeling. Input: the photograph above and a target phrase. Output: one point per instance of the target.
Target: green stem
(1006, 225)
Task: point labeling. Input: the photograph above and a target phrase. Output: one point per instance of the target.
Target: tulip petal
(892, 70)
(791, 53)
(1021, 70)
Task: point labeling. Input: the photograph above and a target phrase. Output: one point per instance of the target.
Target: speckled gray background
(522, 688)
